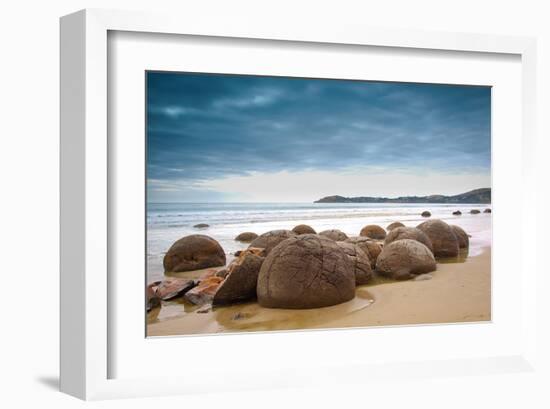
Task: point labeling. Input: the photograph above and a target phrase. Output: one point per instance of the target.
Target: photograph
(280, 203)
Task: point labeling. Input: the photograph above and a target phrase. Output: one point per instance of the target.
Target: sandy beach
(457, 292)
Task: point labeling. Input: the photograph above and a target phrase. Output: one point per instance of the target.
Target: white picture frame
(85, 218)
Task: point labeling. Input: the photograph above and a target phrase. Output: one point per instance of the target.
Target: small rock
(457, 213)
(474, 211)
(222, 273)
(152, 297)
(423, 277)
(425, 213)
(487, 211)
(201, 226)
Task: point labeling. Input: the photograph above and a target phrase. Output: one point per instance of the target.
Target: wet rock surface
(403, 259)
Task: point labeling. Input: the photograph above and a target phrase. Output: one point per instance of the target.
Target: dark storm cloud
(202, 127)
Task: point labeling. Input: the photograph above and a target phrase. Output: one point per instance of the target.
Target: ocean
(168, 222)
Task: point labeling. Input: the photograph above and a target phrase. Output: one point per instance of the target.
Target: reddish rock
(152, 297)
(204, 292)
(172, 288)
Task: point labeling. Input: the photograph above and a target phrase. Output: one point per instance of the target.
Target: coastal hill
(482, 195)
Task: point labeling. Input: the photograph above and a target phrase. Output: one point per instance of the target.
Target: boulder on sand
(241, 280)
(334, 234)
(487, 210)
(457, 213)
(201, 226)
(361, 262)
(193, 252)
(304, 229)
(373, 231)
(444, 241)
(425, 213)
(409, 233)
(204, 292)
(475, 211)
(462, 236)
(307, 271)
(369, 247)
(394, 225)
(246, 237)
(404, 259)
(270, 239)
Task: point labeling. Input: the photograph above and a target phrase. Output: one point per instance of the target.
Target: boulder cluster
(300, 268)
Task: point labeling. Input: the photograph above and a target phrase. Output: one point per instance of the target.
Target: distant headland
(482, 195)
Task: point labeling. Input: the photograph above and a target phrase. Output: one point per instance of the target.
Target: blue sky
(252, 138)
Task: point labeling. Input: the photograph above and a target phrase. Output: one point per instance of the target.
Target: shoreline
(458, 292)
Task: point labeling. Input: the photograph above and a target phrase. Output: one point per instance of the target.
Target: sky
(229, 138)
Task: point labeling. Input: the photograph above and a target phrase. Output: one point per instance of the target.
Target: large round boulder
(246, 237)
(361, 262)
(475, 211)
(373, 231)
(334, 234)
(241, 280)
(193, 252)
(462, 236)
(394, 225)
(409, 233)
(307, 271)
(270, 239)
(425, 213)
(304, 229)
(369, 247)
(403, 259)
(444, 241)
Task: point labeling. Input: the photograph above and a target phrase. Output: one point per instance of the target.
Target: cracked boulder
(369, 246)
(361, 263)
(307, 271)
(334, 234)
(462, 236)
(241, 280)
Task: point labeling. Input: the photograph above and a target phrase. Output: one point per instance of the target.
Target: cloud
(206, 128)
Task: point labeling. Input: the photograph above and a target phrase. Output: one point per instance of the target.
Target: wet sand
(458, 292)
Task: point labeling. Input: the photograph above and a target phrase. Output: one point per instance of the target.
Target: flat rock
(171, 288)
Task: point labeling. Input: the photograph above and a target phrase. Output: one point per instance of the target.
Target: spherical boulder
(304, 229)
(306, 271)
(373, 231)
(444, 241)
(241, 280)
(270, 239)
(487, 210)
(425, 213)
(193, 252)
(394, 225)
(369, 247)
(475, 211)
(404, 259)
(246, 237)
(457, 213)
(361, 262)
(462, 236)
(409, 233)
(334, 234)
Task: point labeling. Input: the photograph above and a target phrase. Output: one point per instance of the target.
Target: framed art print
(304, 192)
